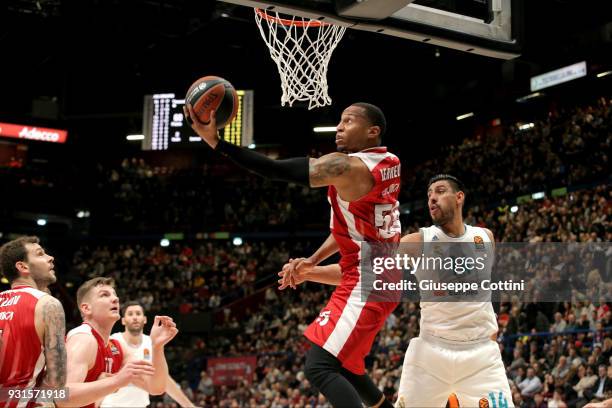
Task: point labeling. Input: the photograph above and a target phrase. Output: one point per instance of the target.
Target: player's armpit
(54, 344)
(81, 350)
(329, 169)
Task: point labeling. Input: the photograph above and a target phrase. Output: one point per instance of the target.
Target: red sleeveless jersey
(347, 326)
(109, 357)
(21, 353)
(373, 217)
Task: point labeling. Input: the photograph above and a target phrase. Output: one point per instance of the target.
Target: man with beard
(139, 344)
(454, 360)
(32, 323)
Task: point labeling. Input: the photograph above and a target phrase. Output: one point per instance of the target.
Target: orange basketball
(213, 93)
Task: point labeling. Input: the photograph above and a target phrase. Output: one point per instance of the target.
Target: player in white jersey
(455, 360)
(455, 357)
(139, 344)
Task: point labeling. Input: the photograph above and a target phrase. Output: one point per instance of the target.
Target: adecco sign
(33, 133)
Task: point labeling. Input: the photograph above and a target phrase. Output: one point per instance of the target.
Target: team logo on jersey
(483, 403)
(114, 350)
(435, 238)
(479, 242)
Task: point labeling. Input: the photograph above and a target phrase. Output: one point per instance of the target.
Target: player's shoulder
(413, 238)
(84, 330)
(35, 293)
(482, 230)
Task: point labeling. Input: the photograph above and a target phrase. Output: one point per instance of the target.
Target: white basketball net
(301, 49)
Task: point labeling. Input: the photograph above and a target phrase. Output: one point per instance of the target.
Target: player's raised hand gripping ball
(213, 93)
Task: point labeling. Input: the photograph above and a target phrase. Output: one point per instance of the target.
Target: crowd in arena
(559, 343)
(556, 354)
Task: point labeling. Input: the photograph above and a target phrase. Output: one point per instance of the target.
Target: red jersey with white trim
(373, 217)
(347, 326)
(21, 353)
(109, 357)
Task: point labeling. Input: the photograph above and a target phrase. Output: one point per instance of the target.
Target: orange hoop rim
(289, 23)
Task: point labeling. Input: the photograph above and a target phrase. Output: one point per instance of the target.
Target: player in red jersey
(364, 182)
(32, 323)
(98, 366)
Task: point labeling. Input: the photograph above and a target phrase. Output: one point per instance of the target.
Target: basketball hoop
(301, 50)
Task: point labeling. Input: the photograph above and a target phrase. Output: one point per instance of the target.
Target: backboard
(491, 28)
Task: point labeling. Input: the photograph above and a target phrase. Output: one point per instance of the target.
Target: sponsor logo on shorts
(498, 401)
(483, 403)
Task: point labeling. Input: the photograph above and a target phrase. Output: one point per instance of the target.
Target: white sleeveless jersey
(130, 395)
(459, 322)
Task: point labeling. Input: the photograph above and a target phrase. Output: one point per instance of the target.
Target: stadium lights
(604, 74)
(252, 146)
(41, 221)
(324, 129)
(530, 96)
(514, 209)
(134, 137)
(465, 116)
(83, 214)
(4, 280)
(526, 126)
(237, 241)
(164, 242)
(539, 195)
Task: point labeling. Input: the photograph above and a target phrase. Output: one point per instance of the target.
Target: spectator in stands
(531, 384)
(602, 385)
(559, 325)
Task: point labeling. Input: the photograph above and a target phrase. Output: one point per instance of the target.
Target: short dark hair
(12, 252)
(375, 115)
(128, 304)
(455, 183)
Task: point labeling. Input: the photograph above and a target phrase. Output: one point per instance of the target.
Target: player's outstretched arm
(175, 392)
(50, 314)
(338, 169)
(163, 330)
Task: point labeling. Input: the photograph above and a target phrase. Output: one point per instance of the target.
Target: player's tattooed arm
(54, 344)
(329, 169)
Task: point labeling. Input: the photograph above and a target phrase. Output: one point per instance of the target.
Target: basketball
(213, 93)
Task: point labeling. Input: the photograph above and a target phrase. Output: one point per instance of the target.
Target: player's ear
(123, 321)
(85, 308)
(22, 267)
(460, 197)
(145, 320)
(373, 132)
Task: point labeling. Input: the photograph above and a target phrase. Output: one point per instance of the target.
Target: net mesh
(301, 49)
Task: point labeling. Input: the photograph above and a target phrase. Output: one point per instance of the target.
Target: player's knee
(313, 372)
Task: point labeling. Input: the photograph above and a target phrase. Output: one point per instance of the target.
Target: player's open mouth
(114, 309)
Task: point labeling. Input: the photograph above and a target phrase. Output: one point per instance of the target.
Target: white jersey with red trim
(21, 353)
